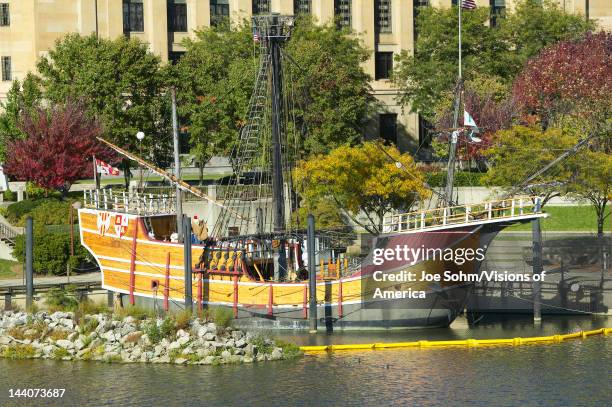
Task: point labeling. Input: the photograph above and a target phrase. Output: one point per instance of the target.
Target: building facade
(29, 29)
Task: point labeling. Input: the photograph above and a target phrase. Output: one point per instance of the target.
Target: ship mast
(275, 39)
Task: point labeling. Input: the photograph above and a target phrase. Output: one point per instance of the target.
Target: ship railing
(463, 214)
(129, 202)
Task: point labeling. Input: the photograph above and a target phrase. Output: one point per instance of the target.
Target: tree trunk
(201, 168)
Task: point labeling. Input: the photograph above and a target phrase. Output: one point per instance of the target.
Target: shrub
(16, 211)
(263, 345)
(9, 195)
(135, 311)
(88, 327)
(290, 350)
(62, 300)
(182, 319)
(51, 251)
(462, 179)
(19, 352)
(51, 212)
(58, 334)
(60, 353)
(166, 329)
(222, 316)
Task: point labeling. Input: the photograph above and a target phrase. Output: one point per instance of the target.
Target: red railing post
(133, 263)
(167, 283)
(200, 294)
(340, 298)
(270, 299)
(305, 302)
(235, 296)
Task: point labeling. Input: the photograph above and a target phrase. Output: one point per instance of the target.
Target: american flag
(468, 4)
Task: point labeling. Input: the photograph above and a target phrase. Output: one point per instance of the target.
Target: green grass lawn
(567, 218)
(6, 269)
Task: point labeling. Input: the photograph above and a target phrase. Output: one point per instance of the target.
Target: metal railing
(7, 234)
(462, 214)
(134, 202)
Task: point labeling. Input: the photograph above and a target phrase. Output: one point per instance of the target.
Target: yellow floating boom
(461, 342)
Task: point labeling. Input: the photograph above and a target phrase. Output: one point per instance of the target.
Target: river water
(575, 372)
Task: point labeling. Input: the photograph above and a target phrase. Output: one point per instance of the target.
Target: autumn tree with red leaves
(571, 79)
(58, 150)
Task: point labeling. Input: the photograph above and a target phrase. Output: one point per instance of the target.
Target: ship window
(133, 16)
(342, 11)
(383, 15)
(261, 7)
(383, 65)
(219, 12)
(388, 127)
(301, 7)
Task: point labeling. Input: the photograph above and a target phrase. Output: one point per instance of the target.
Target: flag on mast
(468, 121)
(105, 168)
(468, 4)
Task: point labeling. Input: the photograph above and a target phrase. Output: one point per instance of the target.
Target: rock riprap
(101, 337)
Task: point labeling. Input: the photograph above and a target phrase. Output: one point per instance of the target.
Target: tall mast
(277, 168)
(452, 149)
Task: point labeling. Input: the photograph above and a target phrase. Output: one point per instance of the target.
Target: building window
(5, 15)
(498, 10)
(219, 12)
(425, 129)
(261, 7)
(382, 10)
(387, 125)
(415, 13)
(6, 68)
(177, 16)
(342, 11)
(384, 65)
(133, 16)
(301, 7)
(174, 56)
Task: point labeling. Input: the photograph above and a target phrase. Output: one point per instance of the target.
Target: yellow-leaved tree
(363, 182)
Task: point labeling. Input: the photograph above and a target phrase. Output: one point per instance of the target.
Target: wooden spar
(170, 177)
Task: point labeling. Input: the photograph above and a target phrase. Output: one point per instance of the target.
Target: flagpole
(95, 169)
(459, 7)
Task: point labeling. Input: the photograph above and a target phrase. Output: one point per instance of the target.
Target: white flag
(467, 120)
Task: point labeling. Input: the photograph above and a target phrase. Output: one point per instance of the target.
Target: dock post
(29, 266)
(312, 276)
(8, 301)
(537, 266)
(110, 299)
(187, 261)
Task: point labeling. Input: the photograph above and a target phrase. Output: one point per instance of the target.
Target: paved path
(77, 278)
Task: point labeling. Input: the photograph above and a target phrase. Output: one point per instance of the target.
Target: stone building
(29, 28)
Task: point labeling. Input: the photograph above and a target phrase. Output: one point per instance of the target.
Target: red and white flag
(107, 169)
(468, 4)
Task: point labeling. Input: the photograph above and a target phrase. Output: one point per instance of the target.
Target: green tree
(214, 80)
(121, 84)
(361, 180)
(323, 78)
(424, 76)
(592, 181)
(535, 25)
(22, 98)
(520, 151)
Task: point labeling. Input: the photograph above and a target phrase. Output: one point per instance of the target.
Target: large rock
(241, 343)
(73, 336)
(182, 340)
(237, 335)
(64, 343)
(211, 327)
(68, 323)
(174, 345)
(277, 354)
(180, 361)
(209, 336)
(78, 344)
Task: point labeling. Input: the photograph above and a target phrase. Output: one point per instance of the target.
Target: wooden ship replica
(253, 262)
